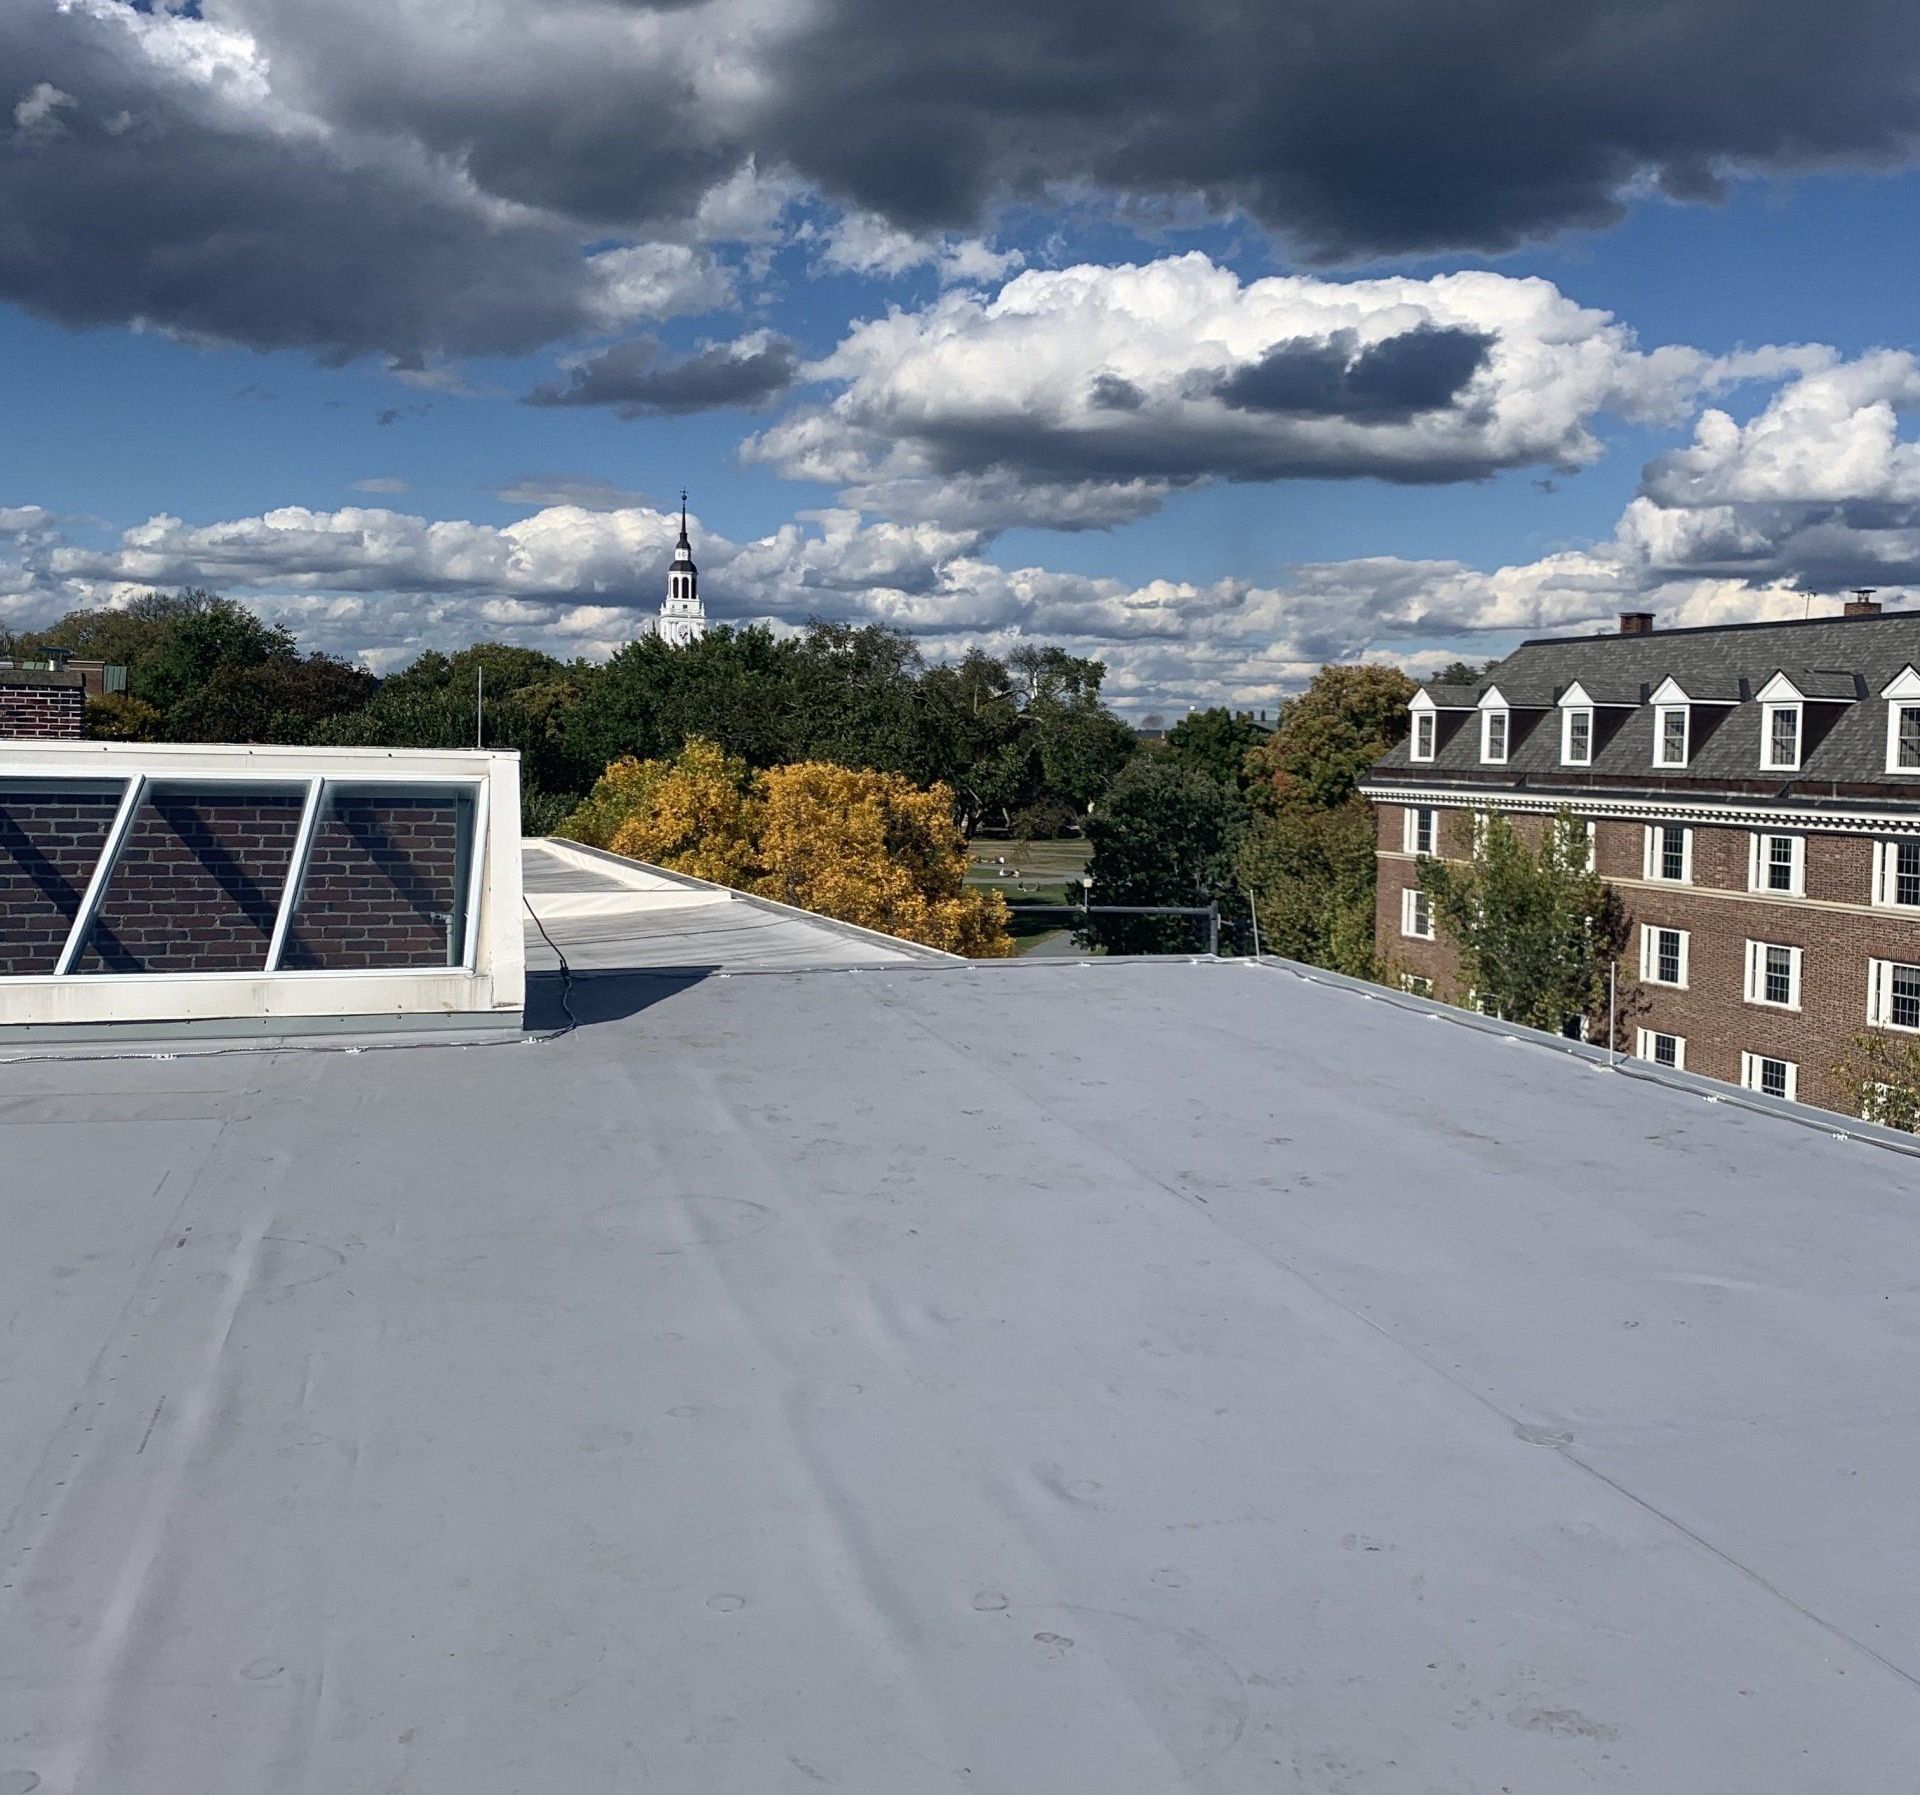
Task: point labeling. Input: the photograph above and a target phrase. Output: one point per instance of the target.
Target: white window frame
(1416, 984)
(1650, 934)
(1487, 756)
(1567, 758)
(1768, 764)
(1644, 1047)
(1902, 693)
(1756, 976)
(1760, 863)
(1410, 831)
(1660, 714)
(1880, 995)
(1410, 900)
(1651, 856)
(1429, 721)
(1751, 1075)
(1886, 873)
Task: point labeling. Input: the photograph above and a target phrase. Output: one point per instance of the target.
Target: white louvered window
(1663, 955)
(1669, 854)
(1773, 974)
(1769, 1076)
(1896, 874)
(1893, 994)
(1777, 863)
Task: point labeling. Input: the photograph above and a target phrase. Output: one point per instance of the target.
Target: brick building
(43, 704)
(1752, 793)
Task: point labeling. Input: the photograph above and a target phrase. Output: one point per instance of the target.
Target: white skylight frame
(489, 981)
(1902, 694)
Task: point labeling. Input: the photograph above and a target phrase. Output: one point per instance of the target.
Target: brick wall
(382, 882)
(49, 843)
(197, 885)
(38, 710)
(1835, 926)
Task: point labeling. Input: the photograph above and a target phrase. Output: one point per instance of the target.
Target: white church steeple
(683, 618)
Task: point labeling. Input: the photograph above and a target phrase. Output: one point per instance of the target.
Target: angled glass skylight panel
(387, 880)
(194, 882)
(51, 834)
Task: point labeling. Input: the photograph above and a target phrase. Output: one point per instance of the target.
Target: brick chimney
(1861, 606)
(1636, 623)
(42, 704)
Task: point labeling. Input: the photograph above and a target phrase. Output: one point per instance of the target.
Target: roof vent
(1861, 604)
(1636, 623)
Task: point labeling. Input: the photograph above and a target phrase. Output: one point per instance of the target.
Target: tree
(1217, 742)
(1332, 733)
(1311, 872)
(870, 848)
(1463, 673)
(282, 699)
(1535, 928)
(120, 717)
(1881, 1078)
(695, 814)
(1164, 834)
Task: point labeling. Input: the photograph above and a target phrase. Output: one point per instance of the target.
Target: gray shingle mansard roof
(1841, 662)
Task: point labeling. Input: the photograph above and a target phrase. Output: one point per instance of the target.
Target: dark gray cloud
(632, 379)
(422, 180)
(1389, 382)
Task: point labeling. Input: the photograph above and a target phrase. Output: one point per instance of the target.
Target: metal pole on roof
(479, 705)
(1253, 909)
(1613, 998)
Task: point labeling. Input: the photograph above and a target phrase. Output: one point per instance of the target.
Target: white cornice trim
(1847, 819)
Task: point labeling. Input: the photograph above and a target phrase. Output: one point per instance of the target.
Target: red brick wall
(42, 712)
(197, 885)
(1835, 927)
(49, 842)
(381, 883)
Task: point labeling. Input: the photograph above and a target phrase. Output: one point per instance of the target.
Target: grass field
(1032, 872)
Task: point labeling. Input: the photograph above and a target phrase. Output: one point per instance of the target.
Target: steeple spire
(683, 542)
(683, 618)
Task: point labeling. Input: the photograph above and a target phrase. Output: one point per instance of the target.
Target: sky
(1214, 340)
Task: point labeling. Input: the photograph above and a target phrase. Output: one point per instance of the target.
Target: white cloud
(1101, 389)
(865, 243)
(37, 116)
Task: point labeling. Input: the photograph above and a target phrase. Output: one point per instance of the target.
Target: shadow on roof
(604, 997)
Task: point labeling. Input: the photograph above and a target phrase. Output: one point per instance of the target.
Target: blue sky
(359, 355)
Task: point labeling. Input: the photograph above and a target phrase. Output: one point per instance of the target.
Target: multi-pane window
(1672, 738)
(1893, 994)
(1579, 742)
(1669, 853)
(1493, 739)
(1772, 1077)
(1416, 984)
(1777, 863)
(1420, 830)
(1423, 728)
(1416, 914)
(1896, 873)
(1906, 738)
(1782, 739)
(1663, 955)
(1663, 1049)
(1773, 974)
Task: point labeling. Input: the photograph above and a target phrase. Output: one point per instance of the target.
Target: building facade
(683, 618)
(1753, 794)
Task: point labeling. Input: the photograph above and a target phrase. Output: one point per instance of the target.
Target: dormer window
(1670, 735)
(1902, 694)
(1424, 725)
(1780, 738)
(1576, 736)
(1493, 736)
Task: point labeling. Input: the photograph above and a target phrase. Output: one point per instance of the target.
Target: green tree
(1535, 927)
(1881, 1078)
(1217, 742)
(283, 699)
(1164, 834)
(1311, 872)
(1330, 735)
(1463, 673)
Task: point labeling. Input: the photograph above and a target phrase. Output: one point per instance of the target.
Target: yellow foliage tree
(627, 786)
(873, 849)
(696, 814)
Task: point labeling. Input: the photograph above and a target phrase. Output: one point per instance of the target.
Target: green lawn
(1033, 872)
